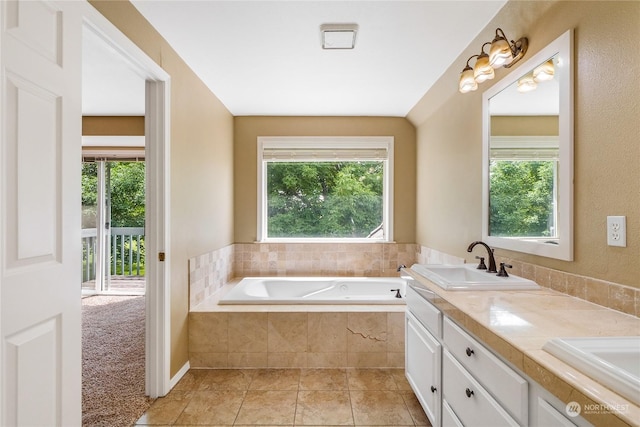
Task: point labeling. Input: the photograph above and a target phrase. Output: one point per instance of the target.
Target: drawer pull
(469, 352)
(468, 392)
(433, 389)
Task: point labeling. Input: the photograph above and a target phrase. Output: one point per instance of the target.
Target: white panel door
(40, 105)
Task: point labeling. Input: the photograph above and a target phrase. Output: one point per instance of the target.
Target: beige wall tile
(622, 298)
(327, 360)
(208, 360)
(247, 360)
(395, 360)
(395, 332)
(247, 332)
(366, 360)
(287, 360)
(367, 332)
(287, 332)
(208, 332)
(327, 332)
(597, 292)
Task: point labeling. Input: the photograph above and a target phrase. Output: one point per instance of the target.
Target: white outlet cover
(617, 231)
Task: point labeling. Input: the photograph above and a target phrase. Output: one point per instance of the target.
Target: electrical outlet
(617, 231)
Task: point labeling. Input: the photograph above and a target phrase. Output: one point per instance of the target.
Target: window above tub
(325, 189)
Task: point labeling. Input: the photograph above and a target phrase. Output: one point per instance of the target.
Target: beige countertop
(516, 324)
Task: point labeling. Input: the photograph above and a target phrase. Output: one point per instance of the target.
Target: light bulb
(500, 52)
(482, 70)
(467, 82)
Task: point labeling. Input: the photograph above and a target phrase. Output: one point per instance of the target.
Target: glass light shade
(482, 70)
(500, 52)
(544, 72)
(527, 83)
(467, 82)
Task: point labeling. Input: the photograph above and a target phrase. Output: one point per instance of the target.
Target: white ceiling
(265, 57)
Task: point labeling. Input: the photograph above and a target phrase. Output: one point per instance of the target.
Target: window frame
(343, 143)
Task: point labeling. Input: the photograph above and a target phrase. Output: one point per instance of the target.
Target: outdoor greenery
(125, 183)
(324, 199)
(521, 198)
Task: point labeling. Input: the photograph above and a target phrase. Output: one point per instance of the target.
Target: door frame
(157, 156)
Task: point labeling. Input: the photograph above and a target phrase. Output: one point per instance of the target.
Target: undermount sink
(612, 361)
(468, 278)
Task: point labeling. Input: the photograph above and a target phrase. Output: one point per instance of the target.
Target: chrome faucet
(492, 260)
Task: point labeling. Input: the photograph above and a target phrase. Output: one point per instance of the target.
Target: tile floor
(292, 397)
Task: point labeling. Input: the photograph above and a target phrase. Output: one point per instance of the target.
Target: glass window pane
(522, 198)
(341, 199)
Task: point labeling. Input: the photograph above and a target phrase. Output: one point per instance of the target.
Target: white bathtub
(316, 290)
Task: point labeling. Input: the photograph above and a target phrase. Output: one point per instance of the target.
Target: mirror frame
(563, 46)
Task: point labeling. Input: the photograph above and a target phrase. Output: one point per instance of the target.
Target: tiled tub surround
(322, 259)
(208, 273)
(516, 324)
(295, 336)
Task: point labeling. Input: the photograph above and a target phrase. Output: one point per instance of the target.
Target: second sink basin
(612, 361)
(467, 278)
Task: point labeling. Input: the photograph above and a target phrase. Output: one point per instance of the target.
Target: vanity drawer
(509, 388)
(470, 402)
(424, 311)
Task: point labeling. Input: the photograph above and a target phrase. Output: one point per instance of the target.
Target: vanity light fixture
(501, 54)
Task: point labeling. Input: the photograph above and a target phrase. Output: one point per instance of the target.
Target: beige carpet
(113, 329)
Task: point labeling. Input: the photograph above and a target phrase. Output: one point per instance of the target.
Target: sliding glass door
(113, 212)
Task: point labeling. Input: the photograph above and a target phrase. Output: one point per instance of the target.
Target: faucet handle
(481, 265)
(503, 272)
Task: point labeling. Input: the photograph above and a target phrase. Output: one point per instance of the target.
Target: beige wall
(113, 125)
(248, 129)
(607, 127)
(201, 166)
(524, 126)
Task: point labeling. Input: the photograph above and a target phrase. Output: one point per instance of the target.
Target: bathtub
(316, 290)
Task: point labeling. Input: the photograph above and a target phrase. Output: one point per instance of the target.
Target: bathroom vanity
(476, 358)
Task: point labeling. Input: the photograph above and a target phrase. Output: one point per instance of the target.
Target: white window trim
(326, 142)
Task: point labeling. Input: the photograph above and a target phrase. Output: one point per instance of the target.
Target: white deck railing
(127, 252)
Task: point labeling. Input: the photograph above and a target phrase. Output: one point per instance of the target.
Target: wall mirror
(528, 155)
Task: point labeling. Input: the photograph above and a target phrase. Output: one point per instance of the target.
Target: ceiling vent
(338, 36)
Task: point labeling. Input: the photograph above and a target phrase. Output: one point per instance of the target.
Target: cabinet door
(423, 361)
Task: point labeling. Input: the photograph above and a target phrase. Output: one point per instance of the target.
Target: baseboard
(178, 376)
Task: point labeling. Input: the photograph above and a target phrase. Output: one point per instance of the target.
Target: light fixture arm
(470, 58)
(482, 52)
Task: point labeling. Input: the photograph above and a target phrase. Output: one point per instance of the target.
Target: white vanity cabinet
(460, 382)
(423, 353)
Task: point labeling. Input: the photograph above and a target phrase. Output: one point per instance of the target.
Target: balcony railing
(127, 257)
